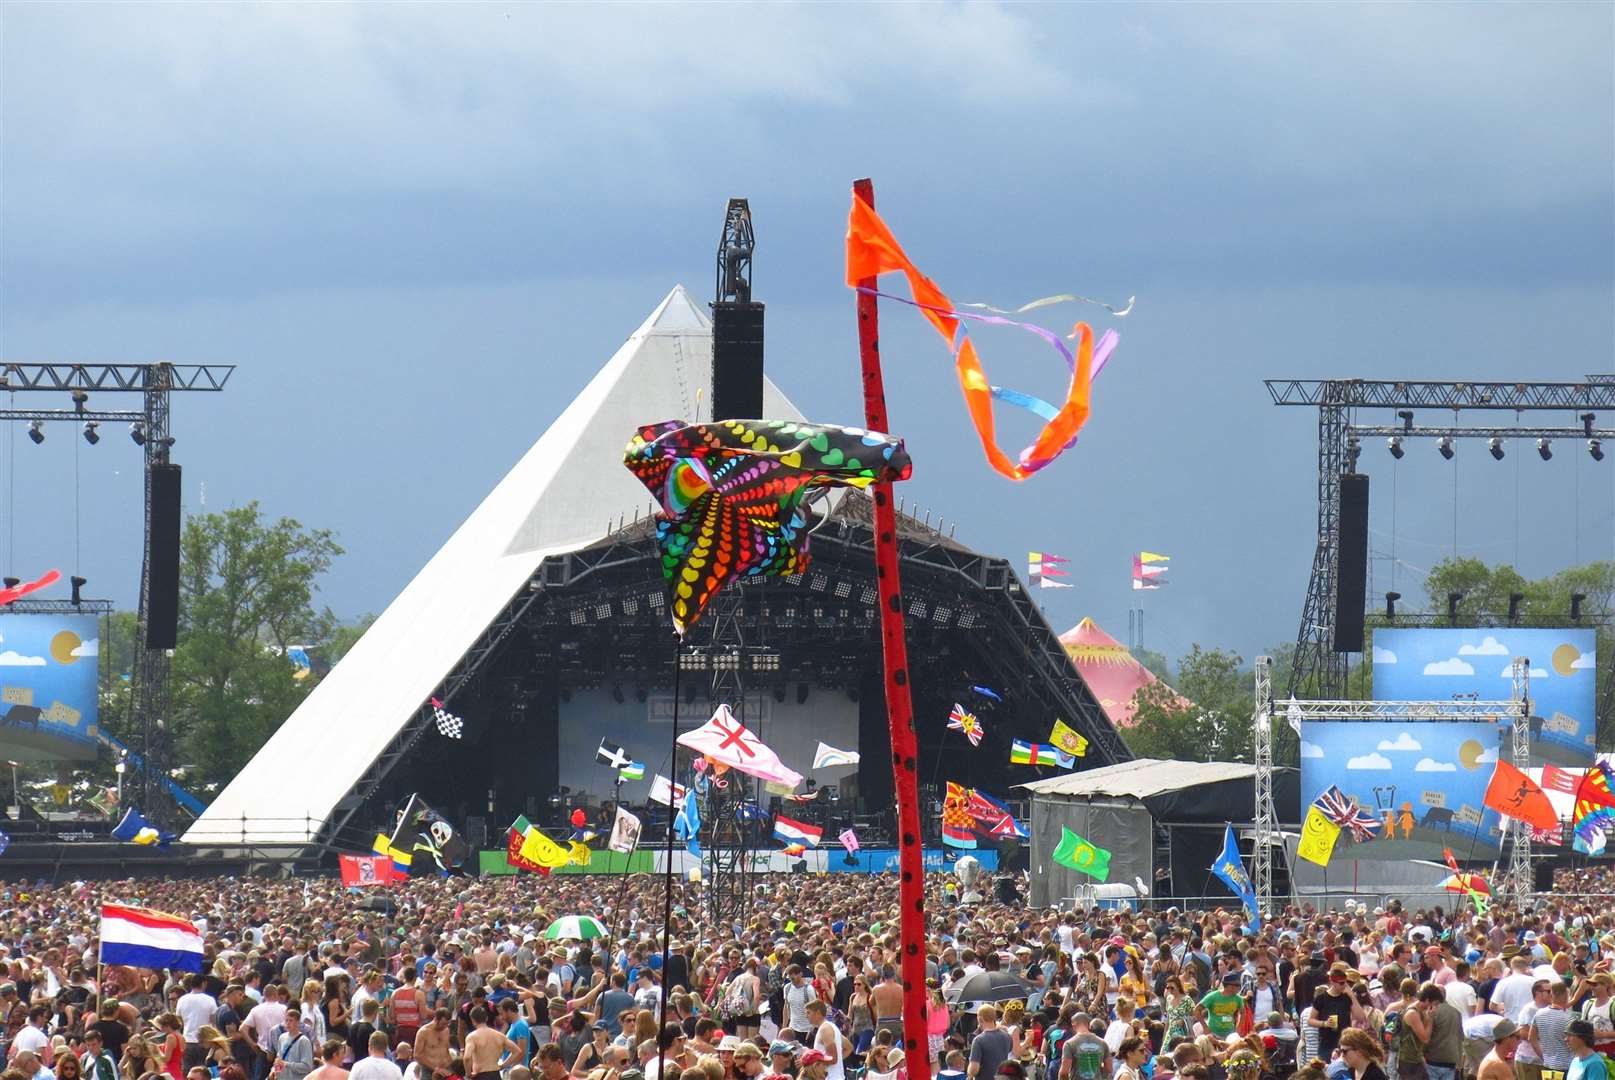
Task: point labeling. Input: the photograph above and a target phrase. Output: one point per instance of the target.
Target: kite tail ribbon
(872, 250)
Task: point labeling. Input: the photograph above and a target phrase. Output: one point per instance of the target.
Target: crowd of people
(453, 979)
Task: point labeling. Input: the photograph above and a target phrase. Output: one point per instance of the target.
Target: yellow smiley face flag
(1318, 836)
(540, 849)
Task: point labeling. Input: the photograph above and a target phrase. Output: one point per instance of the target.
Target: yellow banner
(580, 855)
(543, 851)
(1067, 738)
(1318, 835)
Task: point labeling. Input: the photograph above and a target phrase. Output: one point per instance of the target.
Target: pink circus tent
(1108, 668)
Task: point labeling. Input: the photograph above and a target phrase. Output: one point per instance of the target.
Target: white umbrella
(574, 927)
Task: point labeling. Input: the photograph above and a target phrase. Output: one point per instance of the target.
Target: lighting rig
(149, 429)
(1340, 441)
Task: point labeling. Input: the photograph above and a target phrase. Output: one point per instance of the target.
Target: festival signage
(1424, 782)
(1443, 663)
(49, 676)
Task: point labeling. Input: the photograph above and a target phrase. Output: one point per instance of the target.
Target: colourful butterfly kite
(961, 719)
(731, 495)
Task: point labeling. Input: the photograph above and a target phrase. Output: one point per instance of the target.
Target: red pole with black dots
(899, 707)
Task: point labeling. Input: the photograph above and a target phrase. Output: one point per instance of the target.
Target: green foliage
(246, 593)
(1204, 716)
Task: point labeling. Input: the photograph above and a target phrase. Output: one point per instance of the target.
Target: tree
(1205, 716)
(247, 590)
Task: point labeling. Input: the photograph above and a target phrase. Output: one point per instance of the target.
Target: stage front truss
(1339, 444)
(974, 590)
(1517, 883)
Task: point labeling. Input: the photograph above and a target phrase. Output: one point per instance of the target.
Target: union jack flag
(1348, 814)
(961, 719)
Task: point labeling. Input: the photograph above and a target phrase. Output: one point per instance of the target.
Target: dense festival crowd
(453, 979)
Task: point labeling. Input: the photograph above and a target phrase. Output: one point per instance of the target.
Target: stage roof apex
(564, 494)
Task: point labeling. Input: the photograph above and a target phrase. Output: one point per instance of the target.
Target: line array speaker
(1351, 574)
(162, 561)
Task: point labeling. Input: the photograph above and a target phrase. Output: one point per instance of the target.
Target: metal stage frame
(1267, 835)
(1339, 435)
(946, 584)
(152, 429)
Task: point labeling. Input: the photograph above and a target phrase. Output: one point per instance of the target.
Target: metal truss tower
(728, 864)
(1519, 858)
(151, 428)
(1337, 402)
(1267, 818)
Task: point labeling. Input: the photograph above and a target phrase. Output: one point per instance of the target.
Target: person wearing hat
(1599, 1010)
(1333, 1011)
(748, 1059)
(1585, 1062)
(1498, 1064)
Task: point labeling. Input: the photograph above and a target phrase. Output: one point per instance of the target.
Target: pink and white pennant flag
(726, 741)
(849, 840)
(663, 790)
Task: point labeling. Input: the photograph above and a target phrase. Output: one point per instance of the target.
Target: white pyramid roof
(559, 497)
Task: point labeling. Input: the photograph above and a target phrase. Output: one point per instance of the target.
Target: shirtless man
(1498, 1064)
(432, 1044)
(487, 1051)
(887, 999)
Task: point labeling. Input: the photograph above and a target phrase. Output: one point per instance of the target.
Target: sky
(419, 229)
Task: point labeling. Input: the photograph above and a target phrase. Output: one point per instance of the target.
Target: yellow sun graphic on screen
(1469, 753)
(62, 646)
(1564, 659)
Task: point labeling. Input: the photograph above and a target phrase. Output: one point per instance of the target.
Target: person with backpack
(1599, 1010)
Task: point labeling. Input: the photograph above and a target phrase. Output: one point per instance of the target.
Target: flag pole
(672, 788)
(899, 706)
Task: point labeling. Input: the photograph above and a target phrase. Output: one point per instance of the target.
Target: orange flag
(1513, 794)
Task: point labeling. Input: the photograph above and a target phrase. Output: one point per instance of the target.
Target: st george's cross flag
(143, 938)
(448, 724)
(726, 741)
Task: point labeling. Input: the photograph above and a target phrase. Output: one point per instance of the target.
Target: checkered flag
(447, 723)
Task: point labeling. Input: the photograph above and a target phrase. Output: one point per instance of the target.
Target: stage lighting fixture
(11, 582)
(1353, 448)
(1444, 444)
(779, 694)
(1390, 604)
(36, 431)
(1452, 606)
(91, 436)
(1514, 601)
(1494, 446)
(1406, 416)
(1575, 605)
(137, 432)
(1596, 449)
(1587, 419)
(801, 693)
(1394, 445)
(640, 694)
(1544, 449)
(617, 694)
(77, 583)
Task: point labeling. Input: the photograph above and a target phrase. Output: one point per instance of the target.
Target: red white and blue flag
(796, 832)
(141, 937)
(1348, 814)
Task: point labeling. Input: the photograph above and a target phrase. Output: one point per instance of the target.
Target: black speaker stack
(162, 561)
(1351, 567)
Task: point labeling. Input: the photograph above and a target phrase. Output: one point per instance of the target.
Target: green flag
(1078, 854)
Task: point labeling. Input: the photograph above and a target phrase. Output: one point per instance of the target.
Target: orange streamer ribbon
(872, 250)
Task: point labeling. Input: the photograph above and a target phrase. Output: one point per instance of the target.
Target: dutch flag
(141, 937)
(796, 832)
